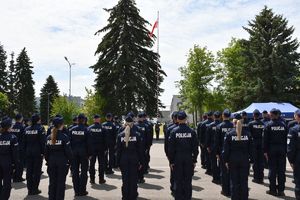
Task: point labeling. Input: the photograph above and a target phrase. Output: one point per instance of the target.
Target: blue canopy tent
(286, 109)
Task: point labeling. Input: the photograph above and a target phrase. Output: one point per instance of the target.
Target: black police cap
(244, 113)
(237, 116)
(81, 116)
(6, 122)
(217, 114)
(96, 116)
(227, 113)
(210, 114)
(256, 112)
(35, 118)
(108, 115)
(129, 118)
(58, 121)
(265, 112)
(181, 115)
(274, 111)
(140, 115)
(19, 116)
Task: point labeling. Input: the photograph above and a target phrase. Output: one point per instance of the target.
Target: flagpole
(157, 72)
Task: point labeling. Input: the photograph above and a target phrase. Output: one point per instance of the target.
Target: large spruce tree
(24, 85)
(11, 83)
(272, 59)
(3, 72)
(127, 68)
(50, 88)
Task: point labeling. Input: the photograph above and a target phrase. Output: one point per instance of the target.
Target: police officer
(265, 117)
(117, 123)
(8, 157)
(129, 158)
(293, 152)
(211, 147)
(143, 131)
(245, 120)
(111, 143)
(79, 144)
(202, 140)
(236, 154)
(75, 123)
(275, 146)
(97, 144)
(149, 141)
(34, 144)
(157, 130)
(18, 130)
(171, 126)
(183, 153)
(202, 154)
(58, 155)
(256, 128)
(222, 130)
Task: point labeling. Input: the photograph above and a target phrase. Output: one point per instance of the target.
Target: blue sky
(52, 29)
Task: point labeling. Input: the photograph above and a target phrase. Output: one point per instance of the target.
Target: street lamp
(48, 116)
(70, 65)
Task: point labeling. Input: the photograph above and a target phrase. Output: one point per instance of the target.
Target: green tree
(66, 108)
(4, 104)
(127, 69)
(93, 104)
(49, 92)
(24, 85)
(11, 89)
(197, 76)
(272, 59)
(231, 74)
(3, 72)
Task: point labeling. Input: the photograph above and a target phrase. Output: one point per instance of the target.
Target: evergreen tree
(11, 90)
(3, 72)
(49, 90)
(272, 59)
(127, 69)
(24, 85)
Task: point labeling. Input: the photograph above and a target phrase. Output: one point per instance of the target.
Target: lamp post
(70, 66)
(48, 116)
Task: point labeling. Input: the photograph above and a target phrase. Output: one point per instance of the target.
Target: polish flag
(153, 28)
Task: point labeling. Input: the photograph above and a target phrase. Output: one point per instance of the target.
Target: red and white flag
(153, 28)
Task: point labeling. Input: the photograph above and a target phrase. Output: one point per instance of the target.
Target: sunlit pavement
(156, 186)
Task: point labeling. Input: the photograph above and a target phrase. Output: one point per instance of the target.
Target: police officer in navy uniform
(202, 148)
(256, 128)
(129, 159)
(275, 147)
(149, 141)
(183, 153)
(265, 117)
(8, 157)
(246, 121)
(97, 144)
(58, 155)
(75, 123)
(117, 123)
(111, 143)
(202, 140)
(34, 144)
(222, 130)
(171, 126)
(293, 152)
(18, 130)
(237, 156)
(142, 129)
(79, 138)
(211, 147)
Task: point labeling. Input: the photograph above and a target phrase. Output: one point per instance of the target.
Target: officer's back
(275, 134)
(79, 138)
(97, 137)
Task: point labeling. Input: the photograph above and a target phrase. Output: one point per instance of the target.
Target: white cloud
(52, 29)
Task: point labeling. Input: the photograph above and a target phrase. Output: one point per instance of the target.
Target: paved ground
(156, 186)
